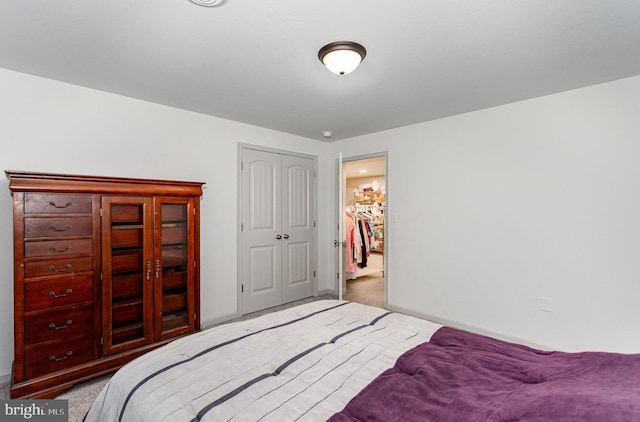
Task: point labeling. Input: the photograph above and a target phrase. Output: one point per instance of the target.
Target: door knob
(278, 236)
(286, 236)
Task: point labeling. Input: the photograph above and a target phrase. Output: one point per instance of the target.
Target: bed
(343, 361)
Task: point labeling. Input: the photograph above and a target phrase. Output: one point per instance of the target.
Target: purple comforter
(459, 376)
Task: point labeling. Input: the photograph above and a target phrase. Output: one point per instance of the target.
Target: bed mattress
(347, 362)
(304, 363)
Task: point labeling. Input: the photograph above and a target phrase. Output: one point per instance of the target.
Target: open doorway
(364, 201)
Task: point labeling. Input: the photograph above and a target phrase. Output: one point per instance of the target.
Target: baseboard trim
(326, 292)
(472, 328)
(230, 317)
(217, 321)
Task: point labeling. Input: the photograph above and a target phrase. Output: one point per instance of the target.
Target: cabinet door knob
(278, 237)
(286, 236)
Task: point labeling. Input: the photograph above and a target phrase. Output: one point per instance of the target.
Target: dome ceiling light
(209, 3)
(342, 57)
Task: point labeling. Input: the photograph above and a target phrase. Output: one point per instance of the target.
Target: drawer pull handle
(53, 204)
(53, 357)
(53, 294)
(66, 267)
(55, 229)
(53, 325)
(53, 249)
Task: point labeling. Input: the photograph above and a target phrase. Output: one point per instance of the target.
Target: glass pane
(174, 266)
(127, 272)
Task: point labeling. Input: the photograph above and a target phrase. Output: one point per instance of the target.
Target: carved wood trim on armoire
(105, 269)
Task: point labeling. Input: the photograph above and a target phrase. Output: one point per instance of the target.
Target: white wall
(536, 198)
(49, 126)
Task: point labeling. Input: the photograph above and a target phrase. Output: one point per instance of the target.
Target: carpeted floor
(368, 287)
(80, 397)
(368, 290)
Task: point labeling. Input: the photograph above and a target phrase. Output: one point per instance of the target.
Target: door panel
(261, 248)
(298, 255)
(262, 273)
(298, 230)
(127, 253)
(174, 267)
(340, 237)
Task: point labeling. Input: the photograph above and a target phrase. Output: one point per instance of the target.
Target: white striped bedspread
(303, 363)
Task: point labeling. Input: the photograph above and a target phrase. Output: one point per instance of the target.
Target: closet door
(297, 227)
(261, 230)
(278, 233)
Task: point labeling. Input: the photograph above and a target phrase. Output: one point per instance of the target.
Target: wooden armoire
(105, 270)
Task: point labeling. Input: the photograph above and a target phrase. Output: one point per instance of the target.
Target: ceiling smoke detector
(209, 3)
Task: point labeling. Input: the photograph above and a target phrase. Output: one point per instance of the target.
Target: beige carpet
(368, 290)
(375, 266)
(80, 397)
(368, 287)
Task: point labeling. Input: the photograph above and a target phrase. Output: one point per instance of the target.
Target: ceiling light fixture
(342, 57)
(209, 3)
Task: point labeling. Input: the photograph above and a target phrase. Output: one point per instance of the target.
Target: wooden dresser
(105, 270)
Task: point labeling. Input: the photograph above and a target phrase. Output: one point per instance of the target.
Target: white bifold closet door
(278, 235)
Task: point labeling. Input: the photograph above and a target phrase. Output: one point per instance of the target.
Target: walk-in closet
(364, 225)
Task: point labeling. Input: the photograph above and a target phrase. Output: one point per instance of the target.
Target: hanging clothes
(350, 237)
(362, 263)
(359, 235)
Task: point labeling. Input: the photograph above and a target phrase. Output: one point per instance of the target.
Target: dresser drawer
(49, 358)
(57, 266)
(57, 226)
(43, 203)
(50, 293)
(58, 248)
(62, 324)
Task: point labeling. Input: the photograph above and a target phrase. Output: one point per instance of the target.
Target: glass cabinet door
(127, 273)
(174, 266)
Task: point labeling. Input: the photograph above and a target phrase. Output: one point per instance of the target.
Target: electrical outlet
(545, 304)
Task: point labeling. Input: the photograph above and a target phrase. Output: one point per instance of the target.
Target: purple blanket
(459, 376)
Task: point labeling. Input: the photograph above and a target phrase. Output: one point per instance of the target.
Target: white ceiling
(256, 61)
(368, 167)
